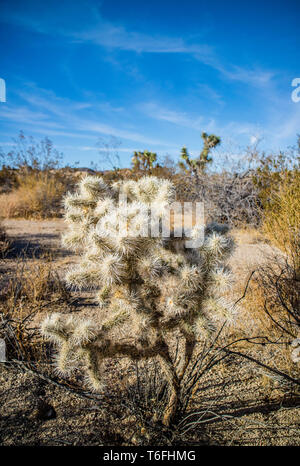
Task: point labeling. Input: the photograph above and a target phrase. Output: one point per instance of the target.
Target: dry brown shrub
(229, 198)
(38, 196)
(282, 215)
(33, 287)
(4, 241)
(34, 282)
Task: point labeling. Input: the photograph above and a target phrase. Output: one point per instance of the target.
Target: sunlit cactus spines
(149, 289)
(295, 353)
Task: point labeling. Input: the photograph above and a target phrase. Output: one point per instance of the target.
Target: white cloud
(256, 77)
(58, 23)
(254, 139)
(158, 112)
(63, 117)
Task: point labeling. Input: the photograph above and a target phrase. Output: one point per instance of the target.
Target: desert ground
(238, 402)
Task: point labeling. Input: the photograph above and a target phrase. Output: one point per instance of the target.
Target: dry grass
(32, 287)
(231, 404)
(268, 320)
(38, 196)
(249, 235)
(22, 338)
(34, 282)
(282, 214)
(273, 300)
(234, 386)
(268, 329)
(4, 241)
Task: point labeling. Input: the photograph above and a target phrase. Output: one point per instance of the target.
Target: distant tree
(199, 164)
(143, 161)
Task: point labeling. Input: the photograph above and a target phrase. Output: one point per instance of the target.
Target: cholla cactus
(148, 289)
(295, 353)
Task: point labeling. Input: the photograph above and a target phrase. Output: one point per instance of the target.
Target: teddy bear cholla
(148, 290)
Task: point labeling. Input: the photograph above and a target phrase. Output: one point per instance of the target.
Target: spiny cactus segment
(148, 289)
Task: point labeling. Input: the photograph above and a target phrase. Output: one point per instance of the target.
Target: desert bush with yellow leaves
(281, 218)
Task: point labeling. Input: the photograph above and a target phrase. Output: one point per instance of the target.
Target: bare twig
(259, 363)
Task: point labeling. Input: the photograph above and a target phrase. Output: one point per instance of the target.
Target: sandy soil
(247, 409)
(250, 251)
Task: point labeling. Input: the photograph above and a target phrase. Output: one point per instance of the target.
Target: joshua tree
(149, 290)
(199, 164)
(143, 161)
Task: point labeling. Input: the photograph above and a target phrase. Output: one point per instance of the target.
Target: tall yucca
(150, 289)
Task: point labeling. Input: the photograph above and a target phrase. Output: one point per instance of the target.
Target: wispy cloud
(88, 148)
(256, 77)
(23, 114)
(42, 112)
(117, 37)
(157, 111)
(100, 31)
(114, 36)
(228, 130)
(49, 114)
(286, 126)
(206, 91)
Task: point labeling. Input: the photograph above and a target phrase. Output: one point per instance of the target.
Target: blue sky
(155, 74)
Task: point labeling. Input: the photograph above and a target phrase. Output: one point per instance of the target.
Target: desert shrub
(22, 341)
(151, 290)
(29, 154)
(111, 176)
(4, 241)
(278, 180)
(230, 198)
(272, 170)
(8, 179)
(30, 181)
(32, 286)
(164, 168)
(240, 196)
(278, 279)
(38, 195)
(33, 282)
(281, 214)
(276, 302)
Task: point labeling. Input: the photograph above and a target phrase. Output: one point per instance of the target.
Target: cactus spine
(147, 289)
